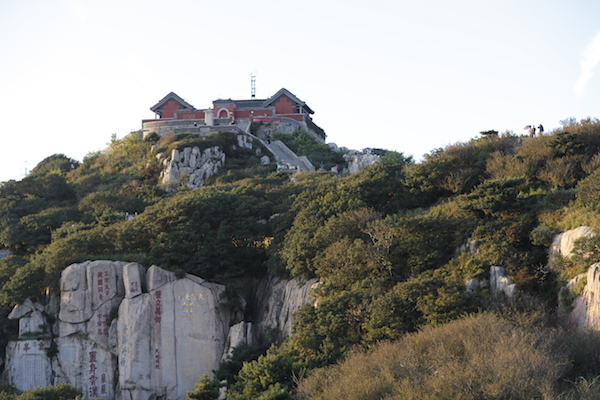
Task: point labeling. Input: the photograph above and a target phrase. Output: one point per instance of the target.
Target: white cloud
(590, 57)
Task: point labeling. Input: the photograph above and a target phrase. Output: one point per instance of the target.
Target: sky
(403, 75)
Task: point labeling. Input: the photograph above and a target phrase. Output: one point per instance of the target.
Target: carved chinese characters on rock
(103, 385)
(134, 288)
(98, 381)
(103, 286)
(187, 301)
(34, 364)
(158, 307)
(102, 324)
(93, 379)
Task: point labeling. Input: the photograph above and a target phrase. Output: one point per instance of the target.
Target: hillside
(392, 246)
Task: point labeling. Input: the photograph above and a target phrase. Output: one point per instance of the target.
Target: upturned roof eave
(174, 96)
(284, 91)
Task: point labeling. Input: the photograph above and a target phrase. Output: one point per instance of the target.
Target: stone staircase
(286, 158)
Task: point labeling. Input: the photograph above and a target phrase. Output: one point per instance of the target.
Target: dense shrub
(56, 163)
(60, 392)
(472, 358)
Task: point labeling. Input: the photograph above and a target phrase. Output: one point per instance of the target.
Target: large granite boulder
(193, 167)
(170, 336)
(563, 242)
(500, 283)
(357, 160)
(85, 364)
(122, 333)
(276, 301)
(27, 364)
(585, 309)
(239, 334)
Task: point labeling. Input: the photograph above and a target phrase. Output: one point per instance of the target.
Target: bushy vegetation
(60, 392)
(392, 246)
(482, 356)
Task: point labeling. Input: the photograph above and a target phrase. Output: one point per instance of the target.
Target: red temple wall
(169, 109)
(253, 113)
(190, 115)
(284, 106)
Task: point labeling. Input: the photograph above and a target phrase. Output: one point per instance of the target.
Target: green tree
(207, 389)
(424, 242)
(32, 195)
(209, 233)
(8, 392)
(56, 163)
(270, 377)
(588, 193)
(60, 392)
(346, 261)
(79, 243)
(230, 367)
(381, 186)
(108, 207)
(27, 281)
(35, 230)
(311, 210)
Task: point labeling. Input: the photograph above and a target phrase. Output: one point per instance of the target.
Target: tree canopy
(392, 246)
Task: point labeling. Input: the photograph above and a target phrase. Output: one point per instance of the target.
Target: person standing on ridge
(532, 131)
(541, 129)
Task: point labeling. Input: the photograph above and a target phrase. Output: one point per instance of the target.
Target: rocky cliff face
(563, 242)
(358, 160)
(276, 302)
(192, 166)
(585, 309)
(120, 332)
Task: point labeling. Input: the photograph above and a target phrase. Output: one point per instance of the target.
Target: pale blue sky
(402, 75)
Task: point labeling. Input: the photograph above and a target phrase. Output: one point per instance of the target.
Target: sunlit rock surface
(120, 332)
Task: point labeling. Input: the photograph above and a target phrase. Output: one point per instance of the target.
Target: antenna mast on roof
(253, 85)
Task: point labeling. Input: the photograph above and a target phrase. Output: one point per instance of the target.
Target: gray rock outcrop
(474, 285)
(192, 166)
(276, 301)
(563, 242)
(358, 160)
(240, 333)
(585, 309)
(27, 365)
(500, 283)
(122, 333)
(590, 297)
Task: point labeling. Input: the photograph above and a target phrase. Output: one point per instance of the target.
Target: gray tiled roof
(284, 91)
(168, 97)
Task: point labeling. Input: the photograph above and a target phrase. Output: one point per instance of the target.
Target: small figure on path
(541, 130)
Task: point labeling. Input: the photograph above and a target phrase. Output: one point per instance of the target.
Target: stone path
(285, 156)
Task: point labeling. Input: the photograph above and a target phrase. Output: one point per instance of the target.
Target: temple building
(283, 112)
